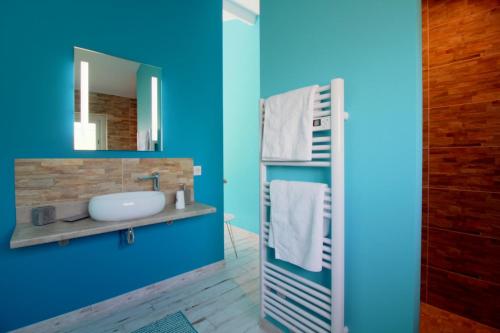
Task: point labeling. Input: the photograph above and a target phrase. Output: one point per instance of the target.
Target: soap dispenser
(179, 198)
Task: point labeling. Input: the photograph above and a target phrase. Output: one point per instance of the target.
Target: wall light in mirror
(84, 92)
(117, 105)
(154, 108)
(85, 132)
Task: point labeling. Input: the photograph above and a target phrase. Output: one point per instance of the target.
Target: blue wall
(36, 87)
(375, 46)
(241, 122)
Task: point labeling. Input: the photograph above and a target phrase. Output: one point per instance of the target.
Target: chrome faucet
(155, 176)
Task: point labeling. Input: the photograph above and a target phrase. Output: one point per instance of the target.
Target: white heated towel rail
(300, 304)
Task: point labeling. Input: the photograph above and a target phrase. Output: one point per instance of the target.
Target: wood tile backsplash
(42, 181)
(172, 173)
(53, 181)
(461, 172)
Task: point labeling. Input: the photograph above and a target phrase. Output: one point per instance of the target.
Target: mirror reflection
(117, 103)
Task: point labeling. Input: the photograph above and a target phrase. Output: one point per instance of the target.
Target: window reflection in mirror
(117, 103)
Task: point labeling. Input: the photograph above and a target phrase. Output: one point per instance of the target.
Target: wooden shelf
(26, 234)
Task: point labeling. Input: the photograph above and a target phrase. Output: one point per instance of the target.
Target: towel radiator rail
(298, 303)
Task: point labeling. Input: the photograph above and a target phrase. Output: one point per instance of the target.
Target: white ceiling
(252, 5)
(227, 16)
(243, 10)
(107, 74)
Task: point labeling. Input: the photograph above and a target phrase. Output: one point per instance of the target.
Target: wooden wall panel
(466, 125)
(425, 158)
(425, 168)
(425, 128)
(461, 171)
(463, 295)
(471, 255)
(424, 272)
(470, 37)
(471, 212)
(476, 169)
(448, 11)
(462, 82)
(425, 35)
(425, 232)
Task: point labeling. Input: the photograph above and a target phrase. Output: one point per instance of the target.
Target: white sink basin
(126, 205)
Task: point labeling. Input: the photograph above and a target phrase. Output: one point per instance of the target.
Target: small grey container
(187, 196)
(43, 215)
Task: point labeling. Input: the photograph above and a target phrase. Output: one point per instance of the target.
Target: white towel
(288, 124)
(296, 230)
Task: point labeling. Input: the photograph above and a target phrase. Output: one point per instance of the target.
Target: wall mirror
(117, 103)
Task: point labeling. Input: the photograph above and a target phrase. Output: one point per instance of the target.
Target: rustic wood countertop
(27, 234)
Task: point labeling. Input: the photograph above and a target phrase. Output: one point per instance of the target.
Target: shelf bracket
(130, 236)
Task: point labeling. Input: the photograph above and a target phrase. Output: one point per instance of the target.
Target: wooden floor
(434, 320)
(224, 300)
